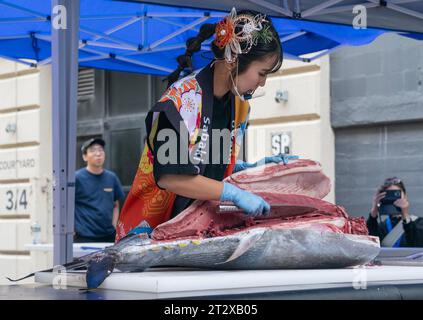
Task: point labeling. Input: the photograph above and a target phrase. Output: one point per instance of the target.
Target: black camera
(387, 206)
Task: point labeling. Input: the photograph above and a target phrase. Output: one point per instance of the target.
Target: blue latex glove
(252, 204)
(241, 165)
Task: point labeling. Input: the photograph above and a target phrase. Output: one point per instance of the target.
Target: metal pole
(65, 41)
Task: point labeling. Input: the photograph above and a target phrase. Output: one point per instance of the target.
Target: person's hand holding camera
(403, 204)
(376, 200)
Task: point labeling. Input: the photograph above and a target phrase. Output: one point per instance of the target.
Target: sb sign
(15, 199)
(281, 143)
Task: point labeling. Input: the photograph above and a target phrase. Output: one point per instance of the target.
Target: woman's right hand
(252, 204)
(376, 200)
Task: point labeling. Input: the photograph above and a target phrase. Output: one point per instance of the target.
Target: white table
(177, 283)
(79, 249)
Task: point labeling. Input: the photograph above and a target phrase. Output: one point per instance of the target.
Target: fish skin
(272, 249)
(253, 249)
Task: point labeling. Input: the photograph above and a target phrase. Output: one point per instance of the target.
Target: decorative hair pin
(250, 32)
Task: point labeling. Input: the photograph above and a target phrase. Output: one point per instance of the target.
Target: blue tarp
(141, 42)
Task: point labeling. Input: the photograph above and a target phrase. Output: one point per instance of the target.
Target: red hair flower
(224, 32)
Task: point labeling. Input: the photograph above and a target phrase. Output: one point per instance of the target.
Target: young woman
(412, 233)
(246, 49)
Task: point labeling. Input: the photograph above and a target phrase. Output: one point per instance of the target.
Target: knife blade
(279, 210)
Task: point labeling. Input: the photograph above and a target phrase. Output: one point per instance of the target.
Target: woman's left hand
(241, 165)
(280, 158)
(403, 204)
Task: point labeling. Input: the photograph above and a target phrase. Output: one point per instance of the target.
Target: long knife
(283, 210)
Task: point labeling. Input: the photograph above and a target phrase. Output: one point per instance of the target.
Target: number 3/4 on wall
(14, 200)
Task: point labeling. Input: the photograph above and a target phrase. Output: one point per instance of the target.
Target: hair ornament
(250, 31)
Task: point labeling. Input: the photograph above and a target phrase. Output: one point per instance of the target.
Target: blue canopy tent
(146, 38)
(398, 15)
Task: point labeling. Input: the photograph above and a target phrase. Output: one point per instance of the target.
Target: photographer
(395, 226)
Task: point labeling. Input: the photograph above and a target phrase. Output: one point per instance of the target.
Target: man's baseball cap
(90, 142)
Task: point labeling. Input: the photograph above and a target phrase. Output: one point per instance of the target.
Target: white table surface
(174, 282)
(79, 249)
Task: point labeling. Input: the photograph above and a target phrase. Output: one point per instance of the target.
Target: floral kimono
(189, 100)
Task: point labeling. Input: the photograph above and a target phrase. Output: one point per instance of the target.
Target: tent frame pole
(18, 20)
(178, 32)
(293, 36)
(93, 42)
(405, 11)
(98, 34)
(319, 7)
(105, 55)
(272, 7)
(23, 9)
(31, 64)
(325, 52)
(64, 112)
(23, 36)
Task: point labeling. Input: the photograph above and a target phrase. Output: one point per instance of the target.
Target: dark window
(125, 152)
(90, 94)
(113, 105)
(159, 87)
(128, 93)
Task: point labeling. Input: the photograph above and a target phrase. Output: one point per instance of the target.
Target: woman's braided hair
(259, 50)
(193, 45)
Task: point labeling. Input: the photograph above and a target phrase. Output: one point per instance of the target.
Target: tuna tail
(99, 268)
(103, 263)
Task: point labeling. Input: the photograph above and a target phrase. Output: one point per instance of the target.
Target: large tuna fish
(322, 236)
(301, 231)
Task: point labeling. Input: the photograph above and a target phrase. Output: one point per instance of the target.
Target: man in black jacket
(412, 235)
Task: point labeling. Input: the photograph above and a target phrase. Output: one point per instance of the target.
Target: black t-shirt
(413, 231)
(216, 167)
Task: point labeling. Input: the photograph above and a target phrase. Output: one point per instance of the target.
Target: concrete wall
(377, 115)
(25, 166)
(305, 116)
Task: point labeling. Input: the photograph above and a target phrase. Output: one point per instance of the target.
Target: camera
(387, 206)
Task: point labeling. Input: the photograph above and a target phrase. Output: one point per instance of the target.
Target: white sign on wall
(22, 163)
(16, 199)
(20, 127)
(281, 142)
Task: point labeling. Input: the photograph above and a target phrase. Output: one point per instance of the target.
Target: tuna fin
(244, 245)
(99, 268)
